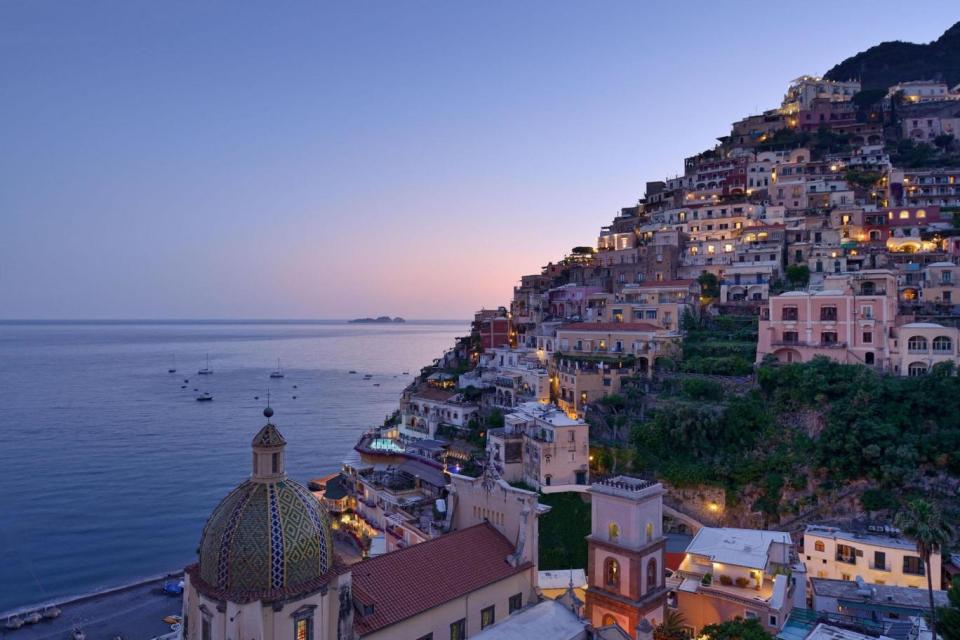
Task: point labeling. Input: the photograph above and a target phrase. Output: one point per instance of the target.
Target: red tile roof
(663, 283)
(609, 327)
(404, 583)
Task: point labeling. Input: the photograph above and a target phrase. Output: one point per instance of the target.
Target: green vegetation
(724, 346)
(562, 531)
(798, 275)
(886, 64)
(672, 627)
(892, 431)
(923, 522)
(709, 285)
(949, 616)
(736, 629)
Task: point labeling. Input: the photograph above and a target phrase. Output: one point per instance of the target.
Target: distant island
(379, 320)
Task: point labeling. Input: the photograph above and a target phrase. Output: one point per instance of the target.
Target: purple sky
(323, 160)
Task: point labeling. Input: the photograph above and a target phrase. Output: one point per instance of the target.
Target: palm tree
(924, 523)
(672, 626)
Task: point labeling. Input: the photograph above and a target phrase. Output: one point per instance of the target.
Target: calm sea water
(109, 469)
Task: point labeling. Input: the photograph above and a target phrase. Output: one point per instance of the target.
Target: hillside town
(509, 496)
(821, 231)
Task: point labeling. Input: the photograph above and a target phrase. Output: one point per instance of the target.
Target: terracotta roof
(609, 326)
(432, 393)
(663, 283)
(404, 583)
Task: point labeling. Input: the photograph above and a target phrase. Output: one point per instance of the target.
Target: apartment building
(879, 557)
(541, 446)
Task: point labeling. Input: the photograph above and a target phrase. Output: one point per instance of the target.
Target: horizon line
(9, 321)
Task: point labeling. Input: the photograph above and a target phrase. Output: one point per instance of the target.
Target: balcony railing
(744, 281)
(846, 558)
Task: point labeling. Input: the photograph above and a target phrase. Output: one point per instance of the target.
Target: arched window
(611, 573)
(608, 620)
(819, 546)
(917, 343)
(613, 532)
(942, 344)
(917, 369)
(649, 531)
(652, 580)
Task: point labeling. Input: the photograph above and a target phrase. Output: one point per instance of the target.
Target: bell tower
(625, 554)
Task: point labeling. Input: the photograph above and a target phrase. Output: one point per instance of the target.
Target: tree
(709, 285)
(798, 275)
(923, 522)
(949, 616)
(672, 627)
(944, 141)
(736, 629)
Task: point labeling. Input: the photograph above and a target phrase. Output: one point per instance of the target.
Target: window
(516, 602)
(458, 630)
(866, 310)
(904, 215)
(879, 561)
(613, 532)
(846, 553)
(772, 620)
(791, 337)
(917, 344)
(750, 615)
(303, 628)
(611, 573)
(828, 337)
(652, 580)
(867, 337)
(275, 462)
(608, 619)
(790, 314)
(917, 369)
(206, 629)
(649, 531)
(819, 546)
(828, 314)
(488, 616)
(913, 565)
(942, 344)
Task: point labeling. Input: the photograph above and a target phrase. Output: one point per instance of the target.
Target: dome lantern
(268, 445)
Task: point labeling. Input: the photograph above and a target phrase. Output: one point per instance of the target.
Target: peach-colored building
(541, 446)
(729, 573)
(848, 321)
(625, 555)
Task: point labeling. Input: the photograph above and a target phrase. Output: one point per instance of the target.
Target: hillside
(888, 63)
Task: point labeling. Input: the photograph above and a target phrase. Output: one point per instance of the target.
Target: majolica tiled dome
(268, 534)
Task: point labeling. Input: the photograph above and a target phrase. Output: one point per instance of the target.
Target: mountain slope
(891, 62)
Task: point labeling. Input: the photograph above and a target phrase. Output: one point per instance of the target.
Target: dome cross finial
(268, 411)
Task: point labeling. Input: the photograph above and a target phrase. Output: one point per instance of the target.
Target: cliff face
(888, 63)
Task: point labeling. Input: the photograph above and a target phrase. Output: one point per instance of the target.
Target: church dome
(269, 536)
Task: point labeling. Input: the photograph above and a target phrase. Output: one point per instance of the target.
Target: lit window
(921, 213)
(904, 215)
(728, 248)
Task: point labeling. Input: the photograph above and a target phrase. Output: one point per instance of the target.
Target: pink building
(848, 321)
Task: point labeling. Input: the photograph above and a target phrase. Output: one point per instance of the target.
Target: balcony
(846, 559)
(814, 345)
(733, 282)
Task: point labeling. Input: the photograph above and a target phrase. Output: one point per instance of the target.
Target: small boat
(173, 367)
(172, 619)
(173, 588)
(206, 371)
(205, 397)
(14, 622)
(51, 611)
(278, 372)
(294, 397)
(376, 384)
(351, 371)
(367, 376)
(406, 373)
(77, 633)
(33, 617)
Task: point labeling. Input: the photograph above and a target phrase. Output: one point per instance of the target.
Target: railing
(846, 559)
(744, 281)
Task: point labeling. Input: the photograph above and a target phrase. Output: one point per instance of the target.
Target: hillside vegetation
(888, 63)
(809, 429)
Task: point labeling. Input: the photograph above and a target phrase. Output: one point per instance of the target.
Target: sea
(109, 466)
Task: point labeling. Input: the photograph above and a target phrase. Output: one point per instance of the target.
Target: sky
(180, 160)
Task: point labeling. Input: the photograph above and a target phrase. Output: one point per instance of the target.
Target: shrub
(741, 582)
(726, 581)
(697, 389)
